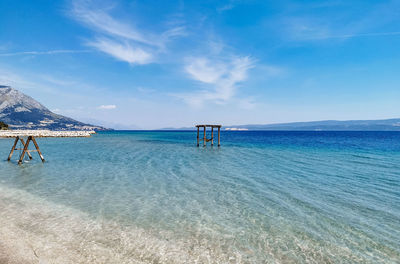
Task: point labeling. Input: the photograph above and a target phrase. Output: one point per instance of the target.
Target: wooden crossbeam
(26, 145)
(201, 139)
(30, 150)
(27, 151)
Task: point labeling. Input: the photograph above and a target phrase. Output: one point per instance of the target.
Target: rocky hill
(20, 111)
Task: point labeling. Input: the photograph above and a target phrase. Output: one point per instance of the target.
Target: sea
(155, 197)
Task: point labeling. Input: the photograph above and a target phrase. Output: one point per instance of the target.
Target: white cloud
(120, 39)
(228, 6)
(107, 107)
(48, 52)
(306, 28)
(225, 7)
(221, 79)
(170, 34)
(202, 70)
(123, 52)
(145, 90)
(102, 22)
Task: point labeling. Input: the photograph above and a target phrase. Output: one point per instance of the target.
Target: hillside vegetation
(3, 126)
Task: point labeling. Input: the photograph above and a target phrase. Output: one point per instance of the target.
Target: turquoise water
(262, 197)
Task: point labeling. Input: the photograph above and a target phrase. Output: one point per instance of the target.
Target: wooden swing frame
(205, 139)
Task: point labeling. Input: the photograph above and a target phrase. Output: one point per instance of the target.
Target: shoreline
(45, 133)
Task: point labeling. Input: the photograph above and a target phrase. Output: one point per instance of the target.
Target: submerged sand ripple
(34, 230)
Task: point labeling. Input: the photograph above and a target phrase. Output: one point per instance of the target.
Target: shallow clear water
(263, 197)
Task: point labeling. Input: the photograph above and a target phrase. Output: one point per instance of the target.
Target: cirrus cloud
(221, 79)
(121, 40)
(124, 52)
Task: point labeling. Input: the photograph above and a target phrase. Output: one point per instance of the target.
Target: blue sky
(155, 64)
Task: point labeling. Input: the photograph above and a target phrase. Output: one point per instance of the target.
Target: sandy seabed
(34, 230)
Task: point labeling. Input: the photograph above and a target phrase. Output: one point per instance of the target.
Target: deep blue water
(262, 197)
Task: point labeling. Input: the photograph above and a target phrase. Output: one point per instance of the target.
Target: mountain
(20, 111)
(327, 125)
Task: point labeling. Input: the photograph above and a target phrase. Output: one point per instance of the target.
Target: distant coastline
(326, 125)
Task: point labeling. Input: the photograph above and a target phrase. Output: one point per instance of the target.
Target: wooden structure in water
(25, 149)
(31, 135)
(205, 139)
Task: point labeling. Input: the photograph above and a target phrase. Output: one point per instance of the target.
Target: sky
(158, 64)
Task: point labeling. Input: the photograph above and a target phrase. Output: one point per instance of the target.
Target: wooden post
(212, 136)
(37, 148)
(13, 148)
(204, 137)
(197, 136)
(219, 136)
(25, 149)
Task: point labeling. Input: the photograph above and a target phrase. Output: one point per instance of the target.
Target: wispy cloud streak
(122, 51)
(355, 35)
(345, 23)
(119, 39)
(102, 22)
(49, 52)
(220, 79)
